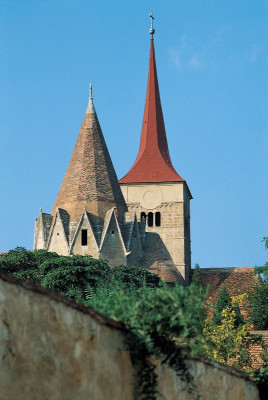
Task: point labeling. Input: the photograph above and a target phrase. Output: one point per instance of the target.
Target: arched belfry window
(150, 219)
(157, 218)
(143, 217)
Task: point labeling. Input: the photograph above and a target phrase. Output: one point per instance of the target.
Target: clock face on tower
(152, 198)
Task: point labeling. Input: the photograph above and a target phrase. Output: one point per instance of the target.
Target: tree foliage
(197, 280)
(225, 302)
(230, 343)
(23, 263)
(264, 269)
(258, 296)
(71, 275)
(154, 318)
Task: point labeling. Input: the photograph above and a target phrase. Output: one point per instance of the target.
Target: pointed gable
(58, 237)
(90, 245)
(153, 163)
(90, 181)
(112, 246)
(42, 228)
(134, 244)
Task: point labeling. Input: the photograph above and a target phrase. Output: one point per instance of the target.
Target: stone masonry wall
(170, 241)
(165, 242)
(52, 348)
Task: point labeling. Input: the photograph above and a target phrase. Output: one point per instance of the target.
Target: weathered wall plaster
(53, 349)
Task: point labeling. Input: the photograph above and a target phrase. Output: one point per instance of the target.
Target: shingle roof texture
(237, 280)
(90, 181)
(166, 270)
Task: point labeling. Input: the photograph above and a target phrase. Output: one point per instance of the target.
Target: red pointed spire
(153, 163)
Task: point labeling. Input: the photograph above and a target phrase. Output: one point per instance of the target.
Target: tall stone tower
(90, 215)
(157, 193)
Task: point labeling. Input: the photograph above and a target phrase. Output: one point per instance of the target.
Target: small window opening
(84, 237)
(150, 219)
(112, 232)
(58, 234)
(157, 218)
(143, 217)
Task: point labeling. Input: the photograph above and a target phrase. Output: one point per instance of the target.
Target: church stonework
(144, 219)
(166, 210)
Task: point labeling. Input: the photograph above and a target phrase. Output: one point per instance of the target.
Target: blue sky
(212, 70)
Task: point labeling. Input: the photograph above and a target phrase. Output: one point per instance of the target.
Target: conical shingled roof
(153, 163)
(90, 181)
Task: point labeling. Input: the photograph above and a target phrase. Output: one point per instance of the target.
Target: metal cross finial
(152, 31)
(90, 91)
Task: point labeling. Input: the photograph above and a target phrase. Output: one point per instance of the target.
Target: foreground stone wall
(52, 348)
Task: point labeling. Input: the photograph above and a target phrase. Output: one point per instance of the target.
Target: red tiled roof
(166, 270)
(256, 350)
(153, 163)
(238, 280)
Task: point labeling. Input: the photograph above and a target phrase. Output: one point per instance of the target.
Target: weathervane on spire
(152, 31)
(90, 91)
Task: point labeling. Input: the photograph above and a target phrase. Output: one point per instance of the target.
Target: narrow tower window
(84, 237)
(143, 217)
(150, 219)
(157, 218)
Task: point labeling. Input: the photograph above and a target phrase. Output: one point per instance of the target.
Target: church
(142, 219)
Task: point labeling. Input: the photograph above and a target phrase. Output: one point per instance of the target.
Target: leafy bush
(71, 275)
(22, 262)
(229, 344)
(154, 318)
(261, 378)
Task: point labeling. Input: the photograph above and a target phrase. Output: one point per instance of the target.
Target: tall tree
(258, 296)
(225, 302)
(197, 281)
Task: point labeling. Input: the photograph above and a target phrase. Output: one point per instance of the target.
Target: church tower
(144, 220)
(90, 215)
(157, 193)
